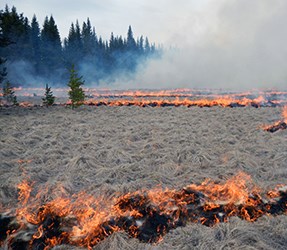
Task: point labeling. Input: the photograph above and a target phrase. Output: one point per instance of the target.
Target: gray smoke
(227, 44)
(230, 44)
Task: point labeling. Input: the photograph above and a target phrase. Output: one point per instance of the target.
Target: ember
(280, 125)
(84, 220)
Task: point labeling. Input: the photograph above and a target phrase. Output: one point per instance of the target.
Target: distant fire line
(221, 102)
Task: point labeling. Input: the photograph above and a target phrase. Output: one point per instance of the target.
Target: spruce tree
(4, 42)
(131, 43)
(51, 48)
(3, 70)
(74, 45)
(76, 92)
(35, 43)
(49, 98)
(88, 39)
(9, 94)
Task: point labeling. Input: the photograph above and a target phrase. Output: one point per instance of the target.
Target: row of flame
(92, 218)
(96, 92)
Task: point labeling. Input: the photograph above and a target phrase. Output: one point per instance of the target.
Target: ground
(110, 150)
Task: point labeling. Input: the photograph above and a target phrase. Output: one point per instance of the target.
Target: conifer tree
(88, 38)
(76, 92)
(3, 43)
(131, 43)
(49, 98)
(3, 70)
(71, 46)
(15, 28)
(9, 94)
(51, 49)
(147, 46)
(35, 43)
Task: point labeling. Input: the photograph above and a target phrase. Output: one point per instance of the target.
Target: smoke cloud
(226, 44)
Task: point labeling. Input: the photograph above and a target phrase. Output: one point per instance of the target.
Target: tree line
(39, 51)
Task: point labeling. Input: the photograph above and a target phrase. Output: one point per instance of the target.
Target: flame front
(162, 98)
(85, 220)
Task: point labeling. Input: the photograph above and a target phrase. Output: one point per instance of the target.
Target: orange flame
(85, 220)
(279, 124)
(284, 114)
(169, 97)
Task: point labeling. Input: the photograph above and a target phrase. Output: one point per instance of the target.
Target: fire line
(84, 220)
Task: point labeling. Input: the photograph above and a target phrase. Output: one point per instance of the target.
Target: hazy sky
(221, 43)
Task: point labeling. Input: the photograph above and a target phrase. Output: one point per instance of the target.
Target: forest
(33, 53)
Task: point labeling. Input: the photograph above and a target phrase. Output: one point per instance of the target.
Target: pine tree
(70, 46)
(15, 28)
(131, 43)
(3, 70)
(4, 42)
(140, 45)
(35, 43)
(76, 92)
(87, 38)
(147, 46)
(49, 98)
(51, 48)
(9, 94)
(74, 45)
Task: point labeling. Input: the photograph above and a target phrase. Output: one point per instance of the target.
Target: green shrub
(49, 98)
(9, 94)
(76, 92)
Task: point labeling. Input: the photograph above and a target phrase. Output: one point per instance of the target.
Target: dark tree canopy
(41, 53)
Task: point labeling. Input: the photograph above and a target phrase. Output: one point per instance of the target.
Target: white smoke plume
(226, 44)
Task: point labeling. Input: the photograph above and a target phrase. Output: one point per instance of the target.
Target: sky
(216, 43)
(155, 19)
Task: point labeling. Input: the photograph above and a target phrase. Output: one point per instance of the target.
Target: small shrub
(49, 98)
(9, 94)
(76, 92)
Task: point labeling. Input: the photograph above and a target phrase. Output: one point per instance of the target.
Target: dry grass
(119, 149)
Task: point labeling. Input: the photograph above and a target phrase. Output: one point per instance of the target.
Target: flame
(168, 97)
(226, 101)
(235, 190)
(85, 220)
(172, 97)
(24, 192)
(279, 124)
(26, 104)
(284, 114)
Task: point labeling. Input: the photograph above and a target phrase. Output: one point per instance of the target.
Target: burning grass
(225, 101)
(84, 220)
(162, 98)
(280, 125)
(119, 156)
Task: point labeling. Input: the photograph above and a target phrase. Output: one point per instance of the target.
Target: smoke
(21, 71)
(225, 44)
